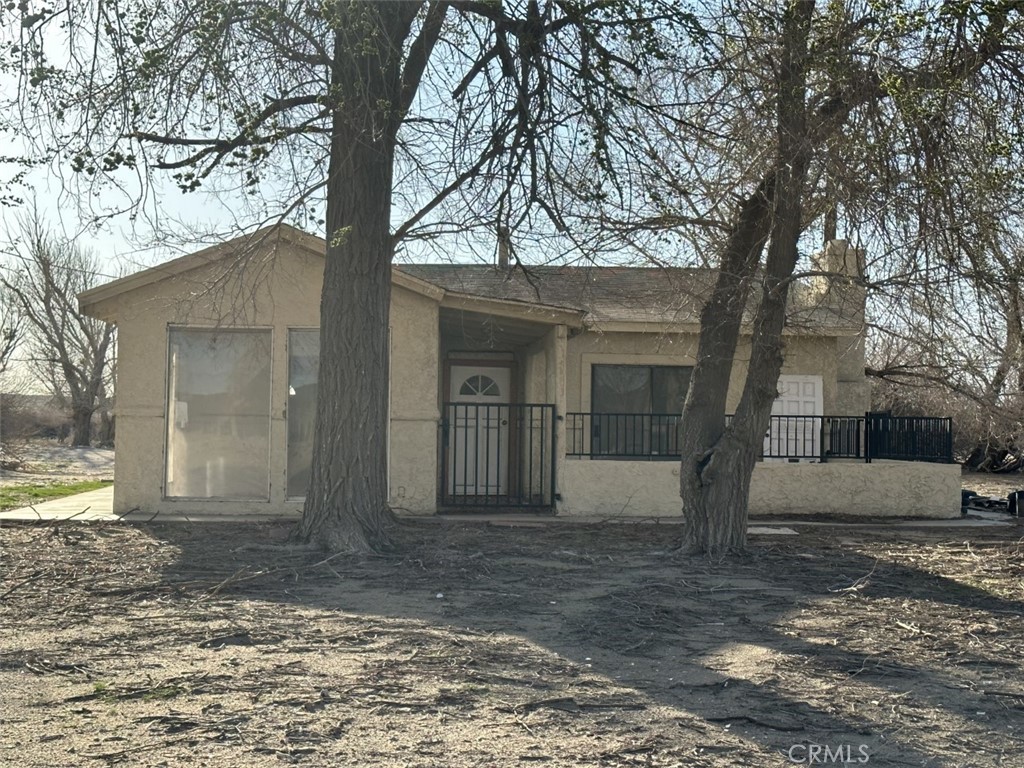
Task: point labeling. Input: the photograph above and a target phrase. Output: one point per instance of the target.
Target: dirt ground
(44, 461)
(485, 645)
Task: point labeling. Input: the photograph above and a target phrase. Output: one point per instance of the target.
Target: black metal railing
(500, 455)
(794, 438)
(908, 438)
(628, 435)
(844, 437)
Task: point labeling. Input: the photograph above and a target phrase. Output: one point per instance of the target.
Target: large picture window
(636, 408)
(303, 369)
(218, 414)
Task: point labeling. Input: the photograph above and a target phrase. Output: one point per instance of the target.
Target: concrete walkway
(90, 506)
(98, 506)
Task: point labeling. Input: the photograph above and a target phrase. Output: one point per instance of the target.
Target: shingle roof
(632, 294)
(605, 293)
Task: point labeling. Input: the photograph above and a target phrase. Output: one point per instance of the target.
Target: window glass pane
(621, 389)
(480, 385)
(668, 391)
(621, 398)
(218, 414)
(635, 409)
(303, 368)
(668, 387)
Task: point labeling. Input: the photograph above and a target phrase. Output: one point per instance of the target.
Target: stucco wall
(414, 409)
(543, 364)
(882, 488)
(803, 355)
(534, 367)
(280, 290)
(853, 393)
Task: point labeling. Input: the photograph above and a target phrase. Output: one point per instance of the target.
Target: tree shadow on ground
(822, 642)
(774, 649)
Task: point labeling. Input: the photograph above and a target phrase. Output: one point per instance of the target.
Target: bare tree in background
(11, 328)
(11, 331)
(69, 352)
(956, 345)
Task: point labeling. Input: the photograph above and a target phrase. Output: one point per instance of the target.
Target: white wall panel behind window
(218, 414)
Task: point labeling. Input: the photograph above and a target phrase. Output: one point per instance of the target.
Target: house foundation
(841, 488)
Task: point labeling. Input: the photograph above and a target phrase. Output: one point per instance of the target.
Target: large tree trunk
(105, 436)
(81, 424)
(712, 487)
(347, 502)
(718, 460)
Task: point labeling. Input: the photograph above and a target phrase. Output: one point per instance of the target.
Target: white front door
(792, 433)
(478, 440)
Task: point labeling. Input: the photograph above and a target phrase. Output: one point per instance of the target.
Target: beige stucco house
(557, 390)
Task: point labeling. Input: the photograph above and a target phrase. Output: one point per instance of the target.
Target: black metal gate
(500, 455)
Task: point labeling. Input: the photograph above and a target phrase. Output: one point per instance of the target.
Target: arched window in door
(480, 385)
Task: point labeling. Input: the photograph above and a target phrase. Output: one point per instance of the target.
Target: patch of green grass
(15, 496)
(108, 692)
(163, 692)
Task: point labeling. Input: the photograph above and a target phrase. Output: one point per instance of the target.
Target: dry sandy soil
(46, 461)
(476, 645)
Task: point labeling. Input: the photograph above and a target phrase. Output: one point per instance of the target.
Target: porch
(877, 465)
(501, 388)
(626, 465)
(538, 416)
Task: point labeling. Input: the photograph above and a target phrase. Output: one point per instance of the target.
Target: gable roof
(271, 236)
(201, 258)
(649, 296)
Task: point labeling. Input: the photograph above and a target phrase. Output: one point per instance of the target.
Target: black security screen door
(636, 409)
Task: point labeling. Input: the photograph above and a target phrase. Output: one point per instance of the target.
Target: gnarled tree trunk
(718, 460)
(710, 479)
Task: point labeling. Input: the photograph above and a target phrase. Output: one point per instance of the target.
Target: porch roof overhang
(543, 314)
(483, 323)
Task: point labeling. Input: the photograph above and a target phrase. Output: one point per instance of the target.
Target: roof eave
(549, 313)
(417, 285)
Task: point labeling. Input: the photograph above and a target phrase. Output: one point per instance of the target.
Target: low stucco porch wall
(878, 489)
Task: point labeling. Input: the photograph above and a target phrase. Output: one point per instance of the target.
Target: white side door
(791, 432)
(478, 441)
